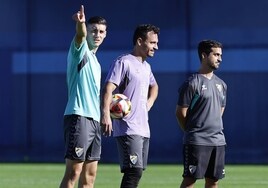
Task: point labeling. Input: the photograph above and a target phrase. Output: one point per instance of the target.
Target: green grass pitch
(47, 175)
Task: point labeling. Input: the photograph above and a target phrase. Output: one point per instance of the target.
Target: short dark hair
(142, 30)
(97, 20)
(205, 47)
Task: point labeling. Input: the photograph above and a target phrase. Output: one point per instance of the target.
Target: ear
(105, 34)
(203, 55)
(139, 41)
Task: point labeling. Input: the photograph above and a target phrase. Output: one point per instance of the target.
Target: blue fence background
(35, 37)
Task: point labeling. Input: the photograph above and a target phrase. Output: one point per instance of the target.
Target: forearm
(106, 101)
(152, 95)
(222, 110)
(181, 116)
(81, 32)
(105, 109)
(107, 98)
(181, 122)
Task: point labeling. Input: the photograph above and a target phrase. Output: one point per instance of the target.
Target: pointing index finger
(82, 9)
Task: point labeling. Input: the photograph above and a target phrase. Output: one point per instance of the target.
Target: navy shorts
(82, 137)
(133, 151)
(204, 161)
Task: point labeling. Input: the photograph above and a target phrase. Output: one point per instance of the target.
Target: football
(120, 106)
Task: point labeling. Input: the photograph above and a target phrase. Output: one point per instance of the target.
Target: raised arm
(81, 29)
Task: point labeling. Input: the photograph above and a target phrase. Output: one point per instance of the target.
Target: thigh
(89, 172)
(73, 166)
(94, 140)
(196, 159)
(133, 151)
(74, 137)
(79, 134)
(145, 151)
(216, 165)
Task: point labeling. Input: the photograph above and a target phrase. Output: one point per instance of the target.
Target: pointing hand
(80, 15)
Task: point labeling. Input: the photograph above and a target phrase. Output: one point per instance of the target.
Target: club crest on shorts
(192, 169)
(133, 159)
(79, 151)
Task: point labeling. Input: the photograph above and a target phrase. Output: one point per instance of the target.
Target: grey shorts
(133, 151)
(82, 138)
(204, 161)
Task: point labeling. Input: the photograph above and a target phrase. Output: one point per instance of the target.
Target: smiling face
(148, 46)
(96, 33)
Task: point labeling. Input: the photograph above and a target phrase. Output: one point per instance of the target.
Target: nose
(97, 34)
(156, 47)
(220, 59)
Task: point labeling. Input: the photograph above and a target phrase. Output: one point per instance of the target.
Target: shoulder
(193, 82)
(190, 82)
(123, 57)
(125, 60)
(77, 47)
(220, 81)
(120, 63)
(148, 65)
(193, 79)
(78, 51)
(76, 54)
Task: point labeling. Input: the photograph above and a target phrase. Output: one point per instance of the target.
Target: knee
(134, 172)
(187, 182)
(70, 177)
(211, 182)
(131, 177)
(137, 172)
(88, 178)
(75, 173)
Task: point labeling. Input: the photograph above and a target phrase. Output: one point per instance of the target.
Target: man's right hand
(106, 125)
(80, 15)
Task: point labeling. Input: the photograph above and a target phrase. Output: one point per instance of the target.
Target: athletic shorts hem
(90, 159)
